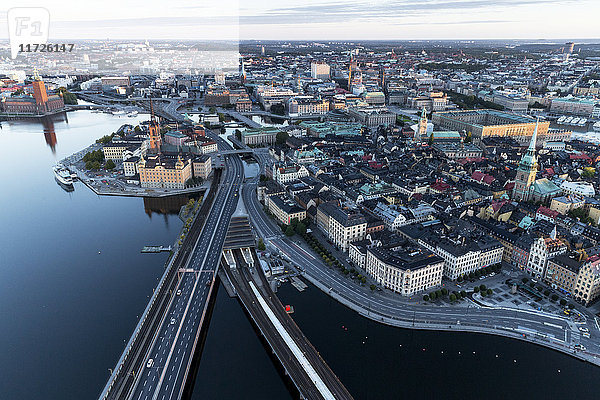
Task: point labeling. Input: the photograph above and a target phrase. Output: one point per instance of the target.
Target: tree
(476, 289)
(431, 139)
(363, 280)
(563, 302)
(68, 97)
(289, 231)
(452, 297)
(109, 165)
(524, 280)
(483, 294)
(281, 137)
(482, 287)
(463, 294)
(238, 135)
(588, 172)
(571, 306)
(373, 287)
(460, 279)
(432, 295)
(489, 292)
(425, 298)
(278, 109)
(261, 244)
(300, 228)
(92, 165)
(137, 129)
(554, 297)
(444, 291)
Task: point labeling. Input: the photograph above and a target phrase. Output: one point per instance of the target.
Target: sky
(316, 19)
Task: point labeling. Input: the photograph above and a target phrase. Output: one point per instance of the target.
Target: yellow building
(158, 171)
(285, 210)
(202, 166)
(483, 123)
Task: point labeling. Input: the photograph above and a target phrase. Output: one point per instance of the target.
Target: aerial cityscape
(316, 201)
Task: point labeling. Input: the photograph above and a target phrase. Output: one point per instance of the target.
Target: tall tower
(422, 127)
(526, 171)
(154, 130)
(39, 91)
(242, 72)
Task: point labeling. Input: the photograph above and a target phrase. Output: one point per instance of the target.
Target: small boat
(62, 175)
(118, 112)
(568, 120)
(561, 119)
(582, 122)
(575, 121)
(132, 114)
(596, 127)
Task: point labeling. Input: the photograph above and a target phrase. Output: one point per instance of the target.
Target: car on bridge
(150, 363)
(173, 320)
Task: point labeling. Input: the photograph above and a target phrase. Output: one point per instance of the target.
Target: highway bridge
(169, 329)
(159, 356)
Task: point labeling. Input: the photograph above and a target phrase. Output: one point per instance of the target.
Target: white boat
(132, 114)
(118, 112)
(561, 119)
(568, 120)
(62, 175)
(575, 121)
(596, 127)
(582, 122)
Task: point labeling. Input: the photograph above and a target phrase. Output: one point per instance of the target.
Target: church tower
(421, 133)
(526, 171)
(154, 129)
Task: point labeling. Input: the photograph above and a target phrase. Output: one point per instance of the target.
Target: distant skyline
(318, 19)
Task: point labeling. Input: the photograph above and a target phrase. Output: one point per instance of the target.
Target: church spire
(534, 137)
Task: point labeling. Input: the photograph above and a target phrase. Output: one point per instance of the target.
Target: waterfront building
(39, 104)
(493, 123)
(307, 105)
(159, 171)
(260, 136)
(573, 105)
(405, 270)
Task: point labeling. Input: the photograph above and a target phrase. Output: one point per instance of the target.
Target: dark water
(67, 310)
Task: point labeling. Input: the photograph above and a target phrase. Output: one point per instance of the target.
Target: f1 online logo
(27, 25)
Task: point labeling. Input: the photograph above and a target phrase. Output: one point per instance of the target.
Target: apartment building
(284, 174)
(285, 210)
(406, 271)
(341, 226)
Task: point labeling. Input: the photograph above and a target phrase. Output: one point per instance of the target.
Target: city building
(406, 271)
(202, 166)
(284, 174)
(307, 105)
(39, 104)
(492, 123)
(341, 226)
(564, 204)
(260, 136)
(285, 210)
(159, 171)
(320, 70)
(373, 117)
